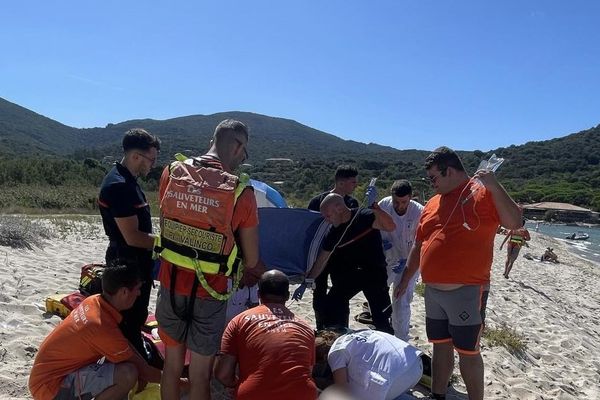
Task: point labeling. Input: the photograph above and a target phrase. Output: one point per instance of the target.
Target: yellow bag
(54, 306)
(151, 392)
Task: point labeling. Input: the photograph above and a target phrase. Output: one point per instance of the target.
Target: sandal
(364, 318)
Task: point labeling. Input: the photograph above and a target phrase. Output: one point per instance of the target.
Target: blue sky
(409, 74)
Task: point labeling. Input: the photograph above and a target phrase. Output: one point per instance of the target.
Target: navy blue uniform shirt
(120, 197)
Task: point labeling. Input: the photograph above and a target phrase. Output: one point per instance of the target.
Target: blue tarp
(290, 238)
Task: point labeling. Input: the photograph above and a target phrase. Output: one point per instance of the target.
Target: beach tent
(266, 196)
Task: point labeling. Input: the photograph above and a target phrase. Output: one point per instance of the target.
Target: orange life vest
(196, 211)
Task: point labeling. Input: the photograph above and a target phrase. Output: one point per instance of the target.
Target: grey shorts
(456, 315)
(202, 332)
(87, 382)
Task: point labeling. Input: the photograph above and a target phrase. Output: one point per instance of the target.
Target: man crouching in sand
(275, 350)
(67, 367)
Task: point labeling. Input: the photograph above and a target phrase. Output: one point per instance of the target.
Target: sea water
(588, 249)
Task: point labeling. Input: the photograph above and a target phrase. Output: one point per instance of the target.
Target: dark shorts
(513, 251)
(202, 333)
(456, 316)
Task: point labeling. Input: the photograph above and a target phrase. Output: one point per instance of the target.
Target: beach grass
(22, 233)
(420, 289)
(505, 336)
(62, 199)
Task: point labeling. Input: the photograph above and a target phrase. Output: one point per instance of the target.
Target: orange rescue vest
(196, 211)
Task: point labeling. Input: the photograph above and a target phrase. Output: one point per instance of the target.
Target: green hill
(24, 132)
(49, 153)
(270, 137)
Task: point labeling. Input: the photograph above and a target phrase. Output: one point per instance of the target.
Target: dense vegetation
(44, 164)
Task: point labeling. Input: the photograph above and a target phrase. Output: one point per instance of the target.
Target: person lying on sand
(548, 255)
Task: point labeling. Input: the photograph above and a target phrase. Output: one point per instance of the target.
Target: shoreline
(587, 249)
(552, 307)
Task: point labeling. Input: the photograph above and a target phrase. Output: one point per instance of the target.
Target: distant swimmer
(516, 238)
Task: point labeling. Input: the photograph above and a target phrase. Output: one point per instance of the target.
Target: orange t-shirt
(89, 333)
(245, 215)
(451, 253)
(275, 352)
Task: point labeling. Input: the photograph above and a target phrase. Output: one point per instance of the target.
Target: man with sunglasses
(127, 223)
(454, 248)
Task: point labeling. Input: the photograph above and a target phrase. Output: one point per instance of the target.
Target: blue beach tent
(266, 196)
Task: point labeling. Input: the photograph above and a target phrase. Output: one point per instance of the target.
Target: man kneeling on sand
(67, 364)
(368, 364)
(274, 349)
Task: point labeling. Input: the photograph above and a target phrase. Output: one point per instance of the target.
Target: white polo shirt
(375, 362)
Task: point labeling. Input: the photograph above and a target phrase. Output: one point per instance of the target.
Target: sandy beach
(553, 307)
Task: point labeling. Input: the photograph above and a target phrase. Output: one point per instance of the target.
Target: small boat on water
(578, 236)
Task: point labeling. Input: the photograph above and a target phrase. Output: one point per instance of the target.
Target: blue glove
(399, 268)
(371, 195)
(156, 268)
(386, 245)
(299, 292)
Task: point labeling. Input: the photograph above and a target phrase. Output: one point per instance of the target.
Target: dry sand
(553, 306)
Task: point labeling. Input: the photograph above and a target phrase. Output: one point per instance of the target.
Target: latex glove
(371, 195)
(386, 245)
(399, 268)
(156, 269)
(299, 292)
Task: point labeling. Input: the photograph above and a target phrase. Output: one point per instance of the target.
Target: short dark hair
(140, 139)
(345, 172)
(401, 188)
(274, 284)
(231, 125)
(444, 157)
(118, 274)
